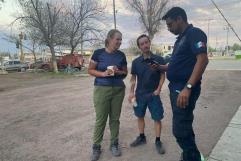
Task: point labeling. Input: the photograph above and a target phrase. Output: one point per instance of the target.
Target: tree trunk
(151, 36)
(81, 46)
(72, 50)
(34, 54)
(81, 38)
(54, 62)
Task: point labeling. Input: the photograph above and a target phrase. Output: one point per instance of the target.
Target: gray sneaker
(138, 141)
(95, 153)
(115, 149)
(159, 147)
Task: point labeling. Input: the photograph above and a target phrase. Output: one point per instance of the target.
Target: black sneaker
(95, 153)
(115, 149)
(139, 141)
(159, 147)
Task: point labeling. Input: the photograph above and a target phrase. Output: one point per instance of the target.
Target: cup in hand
(111, 68)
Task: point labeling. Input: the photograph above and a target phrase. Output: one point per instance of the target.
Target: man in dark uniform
(184, 71)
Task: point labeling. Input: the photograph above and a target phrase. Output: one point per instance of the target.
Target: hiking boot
(95, 153)
(159, 147)
(115, 149)
(139, 141)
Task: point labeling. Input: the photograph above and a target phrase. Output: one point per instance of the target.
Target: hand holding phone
(151, 62)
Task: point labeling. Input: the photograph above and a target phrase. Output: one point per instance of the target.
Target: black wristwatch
(189, 86)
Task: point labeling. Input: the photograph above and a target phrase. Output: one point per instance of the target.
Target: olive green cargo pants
(107, 102)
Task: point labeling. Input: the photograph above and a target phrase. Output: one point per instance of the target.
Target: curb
(228, 147)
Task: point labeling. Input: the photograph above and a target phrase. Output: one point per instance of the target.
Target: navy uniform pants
(182, 125)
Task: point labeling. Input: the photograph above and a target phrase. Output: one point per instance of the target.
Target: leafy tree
(236, 47)
(210, 49)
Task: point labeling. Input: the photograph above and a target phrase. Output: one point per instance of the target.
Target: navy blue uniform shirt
(103, 60)
(187, 46)
(147, 78)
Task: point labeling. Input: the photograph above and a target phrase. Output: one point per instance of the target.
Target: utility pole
(227, 28)
(208, 35)
(216, 44)
(21, 47)
(114, 11)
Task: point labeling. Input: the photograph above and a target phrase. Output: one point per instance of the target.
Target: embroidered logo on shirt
(200, 44)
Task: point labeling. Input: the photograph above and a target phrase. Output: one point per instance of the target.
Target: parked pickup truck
(14, 65)
(73, 61)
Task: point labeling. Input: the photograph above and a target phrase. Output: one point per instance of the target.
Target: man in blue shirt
(149, 84)
(184, 71)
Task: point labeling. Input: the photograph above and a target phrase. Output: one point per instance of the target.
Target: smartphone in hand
(152, 62)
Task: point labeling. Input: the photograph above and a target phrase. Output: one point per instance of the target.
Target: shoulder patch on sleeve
(200, 44)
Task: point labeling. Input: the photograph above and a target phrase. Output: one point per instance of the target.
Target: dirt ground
(51, 118)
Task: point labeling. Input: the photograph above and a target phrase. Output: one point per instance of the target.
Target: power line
(226, 20)
(224, 4)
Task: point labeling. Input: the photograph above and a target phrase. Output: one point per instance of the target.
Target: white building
(162, 48)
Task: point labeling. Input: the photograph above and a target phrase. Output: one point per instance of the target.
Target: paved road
(54, 121)
(224, 65)
(219, 65)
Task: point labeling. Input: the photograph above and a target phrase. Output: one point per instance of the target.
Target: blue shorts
(154, 105)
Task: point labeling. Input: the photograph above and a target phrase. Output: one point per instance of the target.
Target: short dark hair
(141, 36)
(175, 12)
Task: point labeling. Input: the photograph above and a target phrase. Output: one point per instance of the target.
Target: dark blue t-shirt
(103, 60)
(147, 79)
(187, 46)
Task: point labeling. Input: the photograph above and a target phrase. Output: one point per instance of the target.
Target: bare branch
(150, 13)
(43, 20)
(82, 20)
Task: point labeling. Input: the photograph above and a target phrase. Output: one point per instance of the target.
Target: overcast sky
(199, 13)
